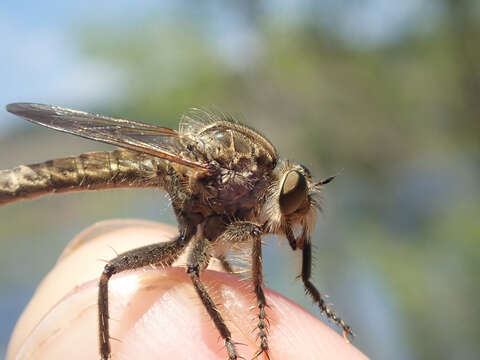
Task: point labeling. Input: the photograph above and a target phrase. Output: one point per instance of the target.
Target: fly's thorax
(239, 160)
(232, 193)
(220, 138)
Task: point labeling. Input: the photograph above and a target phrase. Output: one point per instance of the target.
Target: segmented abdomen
(89, 171)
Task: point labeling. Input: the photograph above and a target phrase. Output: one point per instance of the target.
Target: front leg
(315, 294)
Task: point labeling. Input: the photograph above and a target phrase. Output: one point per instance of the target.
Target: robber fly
(226, 184)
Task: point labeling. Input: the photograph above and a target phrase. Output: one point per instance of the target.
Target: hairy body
(226, 183)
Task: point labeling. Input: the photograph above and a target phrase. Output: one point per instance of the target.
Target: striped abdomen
(90, 171)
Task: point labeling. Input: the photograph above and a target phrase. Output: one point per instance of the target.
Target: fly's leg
(291, 238)
(244, 231)
(257, 277)
(226, 264)
(161, 254)
(197, 261)
(315, 294)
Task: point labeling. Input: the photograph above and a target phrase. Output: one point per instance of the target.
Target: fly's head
(292, 203)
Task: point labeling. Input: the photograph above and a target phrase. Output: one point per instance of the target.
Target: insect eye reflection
(293, 193)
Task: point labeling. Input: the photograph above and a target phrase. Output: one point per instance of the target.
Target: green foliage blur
(398, 249)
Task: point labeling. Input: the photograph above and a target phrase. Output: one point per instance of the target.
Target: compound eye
(293, 193)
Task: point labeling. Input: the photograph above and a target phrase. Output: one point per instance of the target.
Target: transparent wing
(158, 141)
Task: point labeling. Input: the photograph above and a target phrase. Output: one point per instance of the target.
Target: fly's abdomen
(90, 171)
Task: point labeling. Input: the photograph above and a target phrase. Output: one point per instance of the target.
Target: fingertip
(156, 313)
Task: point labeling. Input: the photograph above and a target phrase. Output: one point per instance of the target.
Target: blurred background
(384, 93)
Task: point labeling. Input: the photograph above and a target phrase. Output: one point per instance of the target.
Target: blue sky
(40, 63)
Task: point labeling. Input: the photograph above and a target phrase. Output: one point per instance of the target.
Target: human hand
(155, 313)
